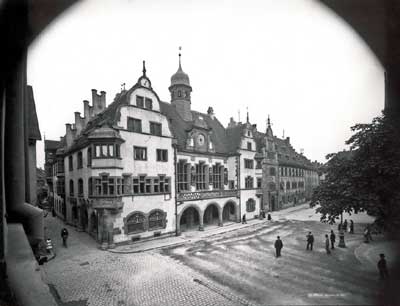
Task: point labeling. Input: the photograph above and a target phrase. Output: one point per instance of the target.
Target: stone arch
(230, 211)
(157, 219)
(135, 222)
(189, 217)
(212, 214)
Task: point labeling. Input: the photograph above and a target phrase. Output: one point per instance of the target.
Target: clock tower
(180, 90)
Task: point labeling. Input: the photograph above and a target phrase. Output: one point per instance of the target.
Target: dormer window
(149, 103)
(179, 93)
(140, 101)
(248, 133)
(249, 146)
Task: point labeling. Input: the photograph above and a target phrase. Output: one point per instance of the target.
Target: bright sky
(292, 59)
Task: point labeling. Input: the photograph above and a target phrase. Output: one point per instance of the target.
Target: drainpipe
(239, 187)
(14, 159)
(176, 192)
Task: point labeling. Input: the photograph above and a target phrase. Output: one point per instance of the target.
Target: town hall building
(141, 167)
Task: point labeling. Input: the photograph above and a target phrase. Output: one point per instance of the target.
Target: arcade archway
(211, 215)
(229, 212)
(190, 219)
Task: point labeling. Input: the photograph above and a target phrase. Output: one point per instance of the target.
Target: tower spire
(269, 121)
(144, 68)
(247, 117)
(180, 49)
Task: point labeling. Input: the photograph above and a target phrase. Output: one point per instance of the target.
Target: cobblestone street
(233, 268)
(85, 275)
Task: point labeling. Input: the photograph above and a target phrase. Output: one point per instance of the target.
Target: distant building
(141, 167)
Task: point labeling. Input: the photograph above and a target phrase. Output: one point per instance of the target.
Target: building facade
(141, 167)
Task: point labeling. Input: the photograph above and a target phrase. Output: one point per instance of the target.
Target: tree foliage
(365, 178)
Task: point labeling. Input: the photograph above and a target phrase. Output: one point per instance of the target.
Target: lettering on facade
(191, 196)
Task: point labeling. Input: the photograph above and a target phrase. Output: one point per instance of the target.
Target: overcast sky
(292, 59)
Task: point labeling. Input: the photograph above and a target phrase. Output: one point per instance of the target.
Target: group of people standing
(343, 226)
(329, 241)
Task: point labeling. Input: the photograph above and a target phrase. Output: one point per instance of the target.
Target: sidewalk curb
(148, 249)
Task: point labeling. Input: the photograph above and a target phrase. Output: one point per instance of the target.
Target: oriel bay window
(106, 150)
(183, 176)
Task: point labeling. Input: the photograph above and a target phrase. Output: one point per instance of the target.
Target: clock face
(144, 82)
(200, 140)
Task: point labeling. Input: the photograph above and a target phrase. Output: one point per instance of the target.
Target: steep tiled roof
(233, 136)
(51, 144)
(33, 124)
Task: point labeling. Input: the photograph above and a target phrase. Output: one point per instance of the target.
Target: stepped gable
(108, 117)
(234, 136)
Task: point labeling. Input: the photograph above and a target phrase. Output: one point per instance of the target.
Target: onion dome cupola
(180, 90)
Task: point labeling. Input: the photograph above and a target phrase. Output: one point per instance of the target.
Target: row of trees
(365, 178)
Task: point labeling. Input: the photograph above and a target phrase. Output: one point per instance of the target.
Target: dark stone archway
(229, 212)
(190, 219)
(211, 215)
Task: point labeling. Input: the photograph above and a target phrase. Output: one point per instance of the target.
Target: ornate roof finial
(180, 48)
(283, 135)
(247, 117)
(144, 68)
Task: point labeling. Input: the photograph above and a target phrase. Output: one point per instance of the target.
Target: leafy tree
(366, 178)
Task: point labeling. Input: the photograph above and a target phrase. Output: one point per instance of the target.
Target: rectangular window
(162, 155)
(155, 128)
(104, 184)
(110, 150)
(111, 186)
(183, 177)
(134, 125)
(140, 153)
(119, 186)
(80, 160)
(97, 185)
(70, 165)
(259, 182)
(231, 184)
(200, 176)
(126, 185)
(166, 185)
(217, 176)
(89, 157)
(249, 182)
(142, 184)
(139, 101)
(135, 186)
(148, 185)
(98, 151)
(156, 185)
(149, 103)
(248, 163)
(258, 164)
(249, 146)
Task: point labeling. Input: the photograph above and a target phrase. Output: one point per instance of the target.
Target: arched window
(90, 186)
(89, 157)
(80, 187)
(156, 220)
(250, 205)
(135, 223)
(71, 188)
(80, 160)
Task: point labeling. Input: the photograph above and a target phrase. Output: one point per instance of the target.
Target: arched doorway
(190, 219)
(211, 215)
(273, 208)
(229, 212)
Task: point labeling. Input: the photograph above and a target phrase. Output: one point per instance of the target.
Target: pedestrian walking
(382, 267)
(64, 236)
(351, 227)
(367, 234)
(278, 246)
(244, 219)
(269, 217)
(333, 239)
(328, 251)
(345, 225)
(310, 241)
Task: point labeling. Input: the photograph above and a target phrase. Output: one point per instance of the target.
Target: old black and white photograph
(204, 153)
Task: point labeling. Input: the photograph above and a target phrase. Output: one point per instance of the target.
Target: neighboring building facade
(141, 167)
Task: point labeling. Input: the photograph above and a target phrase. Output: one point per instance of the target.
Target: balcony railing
(207, 194)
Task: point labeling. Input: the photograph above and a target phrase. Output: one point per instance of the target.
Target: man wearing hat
(383, 272)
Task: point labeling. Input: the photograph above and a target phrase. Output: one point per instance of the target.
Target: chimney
(79, 122)
(210, 112)
(287, 140)
(96, 102)
(86, 111)
(69, 137)
(103, 99)
(232, 123)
